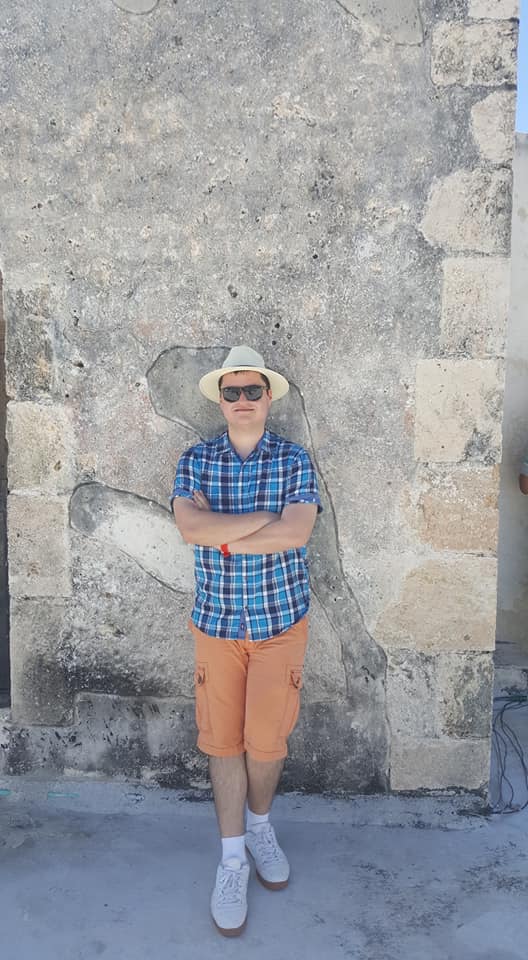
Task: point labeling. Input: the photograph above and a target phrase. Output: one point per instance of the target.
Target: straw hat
(242, 358)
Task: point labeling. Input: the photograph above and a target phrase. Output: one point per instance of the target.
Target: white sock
(233, 847)
(255, 819)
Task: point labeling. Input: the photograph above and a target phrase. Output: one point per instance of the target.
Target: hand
(200, 500)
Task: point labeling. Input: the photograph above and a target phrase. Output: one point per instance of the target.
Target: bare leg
(230, 782)
(263, 777)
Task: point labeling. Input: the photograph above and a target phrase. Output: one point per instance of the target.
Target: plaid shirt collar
(264, 448)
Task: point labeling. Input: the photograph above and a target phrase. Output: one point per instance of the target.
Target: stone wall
(512, 595)
(331, 183)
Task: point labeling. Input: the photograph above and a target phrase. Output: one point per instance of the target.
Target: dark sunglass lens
(253, 392)
(231, 394)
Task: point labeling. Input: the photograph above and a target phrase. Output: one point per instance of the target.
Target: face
(245, 413)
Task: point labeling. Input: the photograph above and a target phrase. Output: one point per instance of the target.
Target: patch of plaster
(140, 528)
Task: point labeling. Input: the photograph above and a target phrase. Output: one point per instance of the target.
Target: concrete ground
(91, 870)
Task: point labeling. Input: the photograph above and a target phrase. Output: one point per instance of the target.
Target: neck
(244, 441)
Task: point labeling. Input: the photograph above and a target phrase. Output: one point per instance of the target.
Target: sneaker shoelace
(230, 886)
(267, 846)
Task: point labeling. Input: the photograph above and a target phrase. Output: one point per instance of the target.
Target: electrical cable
(506, 745)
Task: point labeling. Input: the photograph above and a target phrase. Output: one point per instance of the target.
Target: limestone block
(458, 410)
(39, 556)
(39, 676)
(465, 692)
(457, 510)
(437, 764)
(411, 693)
(493, 126)
(470, 210)
(40, 443)
(29, 349)
(444, 605)
(475, 293)
(445, 694)
(493, 9)
(483, 54)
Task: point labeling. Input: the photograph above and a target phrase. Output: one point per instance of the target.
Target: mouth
(243, 409)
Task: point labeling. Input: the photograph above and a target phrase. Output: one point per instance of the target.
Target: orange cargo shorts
(248, 692)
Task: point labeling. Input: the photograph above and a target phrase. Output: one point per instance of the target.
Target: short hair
(263, 375)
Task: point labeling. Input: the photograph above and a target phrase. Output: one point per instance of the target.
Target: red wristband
(225, 549)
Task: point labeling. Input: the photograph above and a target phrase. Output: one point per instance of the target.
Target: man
(248, 501)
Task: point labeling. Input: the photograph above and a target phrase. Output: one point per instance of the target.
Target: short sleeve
(187, 478)
(524, 466)
(302, 484)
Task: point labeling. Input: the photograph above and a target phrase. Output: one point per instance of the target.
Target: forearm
(208, 528)
(273, 538)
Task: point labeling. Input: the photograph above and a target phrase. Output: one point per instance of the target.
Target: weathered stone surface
(29, 346)
(457, 510)
(475, 294)
(40, 439)
(411, 694)
(439, 694)
(324, 670)
(124, 442)
(465, 691)
(433, 764)
(493, 9)
(40, 688)
(493, 125)
(480, 53)
(458, 404)
(444, 605)
(218, 192)
(133, 641)
(39, 558)
(470, 210)
(398, 22)
(146, 737)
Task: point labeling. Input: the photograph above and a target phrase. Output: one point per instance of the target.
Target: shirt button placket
(244, 616)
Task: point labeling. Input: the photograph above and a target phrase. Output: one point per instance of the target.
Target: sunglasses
(252, 392)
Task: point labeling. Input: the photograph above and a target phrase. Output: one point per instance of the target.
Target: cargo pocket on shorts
(294, 682)
(201, 693)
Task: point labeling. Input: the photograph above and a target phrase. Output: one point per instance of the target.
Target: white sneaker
(273, 869)
(229, 897)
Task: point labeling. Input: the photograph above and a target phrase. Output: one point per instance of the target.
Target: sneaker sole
(230, 931)
(270, 884)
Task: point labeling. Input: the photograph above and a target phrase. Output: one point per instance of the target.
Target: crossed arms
(259, 532)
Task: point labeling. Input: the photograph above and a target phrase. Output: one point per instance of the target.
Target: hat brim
(209, 382)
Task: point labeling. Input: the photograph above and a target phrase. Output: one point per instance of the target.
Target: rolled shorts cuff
(266, 755)
(213, 751)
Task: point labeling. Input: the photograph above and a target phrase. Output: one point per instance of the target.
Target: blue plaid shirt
(263, 594)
